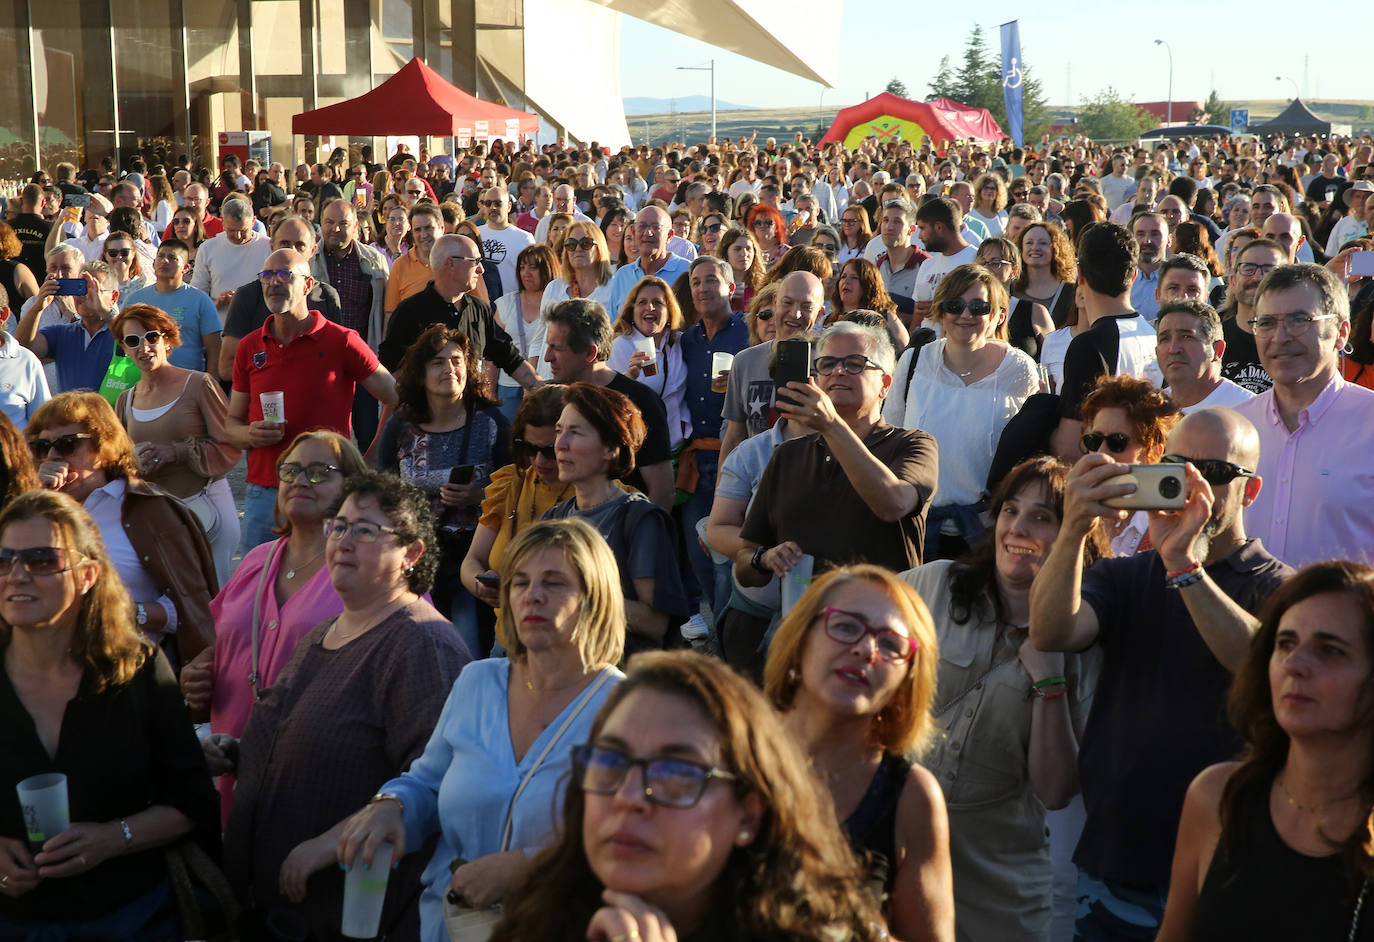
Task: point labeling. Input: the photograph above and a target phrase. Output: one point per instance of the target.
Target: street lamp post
(1170, 107)
(1296, 93)
(712, 69)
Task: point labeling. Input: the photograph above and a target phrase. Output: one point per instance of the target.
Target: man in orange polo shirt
(412, 273)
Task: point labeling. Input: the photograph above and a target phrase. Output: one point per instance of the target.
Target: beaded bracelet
(1185, 579)
(1047, 694)
(1038, 688)
(1195, 567)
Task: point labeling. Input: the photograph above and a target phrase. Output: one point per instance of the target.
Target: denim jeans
(698, 507)
(151, 917)
(1114, 912)
(366, 416)
(259, 509)
(511, 397)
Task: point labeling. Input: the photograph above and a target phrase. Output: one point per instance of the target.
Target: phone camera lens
(1170, 487)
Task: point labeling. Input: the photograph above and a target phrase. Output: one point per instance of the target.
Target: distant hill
(638, 106)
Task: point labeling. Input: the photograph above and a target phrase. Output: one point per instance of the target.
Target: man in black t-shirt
(31, 228)
(1240, 363)
(576, 347)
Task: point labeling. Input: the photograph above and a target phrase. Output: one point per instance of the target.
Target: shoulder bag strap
(583, 700)
(254, 677)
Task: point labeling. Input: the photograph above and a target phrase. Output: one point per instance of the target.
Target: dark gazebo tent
(1297, 118)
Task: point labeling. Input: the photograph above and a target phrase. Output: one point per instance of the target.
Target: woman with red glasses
(852, 667)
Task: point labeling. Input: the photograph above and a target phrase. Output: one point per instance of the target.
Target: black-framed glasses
(849, 628)
(1249, 269)
(853, 365)
(316, 473)
(546, 452)
(280, 276)
(134, 341)
(118, 253)
(956, 306)
(573, 245)
(475, 259)
(765, 315)
(64, 445)
(667, 780)
(1213, 470)
(364, 531)
(1117, 442)
(1297, 323)
(38, 560)
(712, 228)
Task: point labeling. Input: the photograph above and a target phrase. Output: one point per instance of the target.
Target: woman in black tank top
(1276, 846)
(19, 283)
(1028, 323)
(852, 668)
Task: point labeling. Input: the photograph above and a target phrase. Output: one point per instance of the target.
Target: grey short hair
(587, 323)
(103, 273)
(727, 273)
(876, 343)
(62, 248)
(239, 211)
(1209, 322)
(1025, 211)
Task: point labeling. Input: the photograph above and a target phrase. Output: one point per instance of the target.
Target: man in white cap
(1354, 223)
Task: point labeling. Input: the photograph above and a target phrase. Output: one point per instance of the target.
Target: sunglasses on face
(64, 445)
(765, 315)
(132, 341)
(544, 451)
(1117, 442)
(1213, 470)
(316, 473)
(956, 306)
(574, 244)
(712, 228)
(669, 782)
(853, 365)
(118, 253)
(38, 560)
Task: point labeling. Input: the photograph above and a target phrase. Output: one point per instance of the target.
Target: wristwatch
(141, 614)
(387, 796)
(757, 559)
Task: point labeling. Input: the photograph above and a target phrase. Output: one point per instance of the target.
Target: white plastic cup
(273, 407)
(795, 583)
(720, 364)
(646, 346)
(43, 799)
(364, 894)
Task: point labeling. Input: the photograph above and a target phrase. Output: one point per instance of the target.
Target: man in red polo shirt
(198, 201)
(314, 363)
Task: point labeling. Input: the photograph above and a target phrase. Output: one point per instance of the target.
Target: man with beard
(1173, 623)
(314, 363)
(940, 222)
(502, 242)
(1151, 233)
(1241, 361)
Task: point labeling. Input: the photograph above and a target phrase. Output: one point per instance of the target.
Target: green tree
(978, 83)
(1214, 111)
(896, 87)
(942, 86)
(1109, 117)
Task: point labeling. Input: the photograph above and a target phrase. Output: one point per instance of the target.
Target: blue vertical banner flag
(1011, 79)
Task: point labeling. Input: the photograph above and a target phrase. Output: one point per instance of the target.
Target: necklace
(1311, 809)
(291, 573)
(377, 619)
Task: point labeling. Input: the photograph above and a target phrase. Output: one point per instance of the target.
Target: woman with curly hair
(1049, 268)
(447, 437)
(1292, 818)
(767, 226)
(739, 248)
(692, 815)
(859, 287)
(19, 283)
(852, 667)
(17, 474)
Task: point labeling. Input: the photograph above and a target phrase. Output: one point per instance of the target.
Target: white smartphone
(1157, 487)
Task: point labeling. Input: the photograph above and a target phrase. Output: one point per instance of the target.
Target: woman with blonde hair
(584, 267)
(651, 312)
(990, 203)
(489, 782)
(855, 233)
(759, 317)
(852, 668)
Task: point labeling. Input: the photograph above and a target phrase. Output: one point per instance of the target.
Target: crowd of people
(748, 540)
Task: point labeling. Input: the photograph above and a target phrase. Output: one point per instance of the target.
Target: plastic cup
(273, 407)
(645, 345)
(43, 799)
(364, 894)
(795, 583)
(720, 371)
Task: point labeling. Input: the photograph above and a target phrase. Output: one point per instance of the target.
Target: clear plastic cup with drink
(364, 894)
(273, 407)
(720, 371)
(43, 800)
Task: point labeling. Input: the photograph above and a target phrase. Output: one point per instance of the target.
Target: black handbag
(205, 900)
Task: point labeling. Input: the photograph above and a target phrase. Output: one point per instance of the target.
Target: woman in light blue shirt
(492, 775)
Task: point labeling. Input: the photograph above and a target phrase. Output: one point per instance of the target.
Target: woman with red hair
(770, 230)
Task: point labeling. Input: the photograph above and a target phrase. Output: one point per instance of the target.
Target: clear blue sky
(1124, 57)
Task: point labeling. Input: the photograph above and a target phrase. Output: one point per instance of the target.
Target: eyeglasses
(956, 306)
(476, 259)
(849, 628)
(1249, 269)
(712, 228)
(1297, 323)
(999, 263)
(132, 341)
(118, 253)
(489, 203)
(38, 560)
(668, 782)
(415, 192)
(1117, 442)
(355, 173)
(763, 224)
(826, 247)
(544, 451)
(364, 531)
(573, 245)
(316, 473)
(64, 445)
(281, 276)
(853, 365)
(1213, 470)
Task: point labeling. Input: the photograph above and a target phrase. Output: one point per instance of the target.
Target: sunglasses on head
(64, 445)
(956, 306)
(1213, 470)
(38, 560)
(132, 341)
(544, 451)
(1116, 442)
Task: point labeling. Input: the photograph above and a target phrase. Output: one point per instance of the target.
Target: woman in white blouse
(520, 314)
(585, 266)
(652, 314)
(962, 389)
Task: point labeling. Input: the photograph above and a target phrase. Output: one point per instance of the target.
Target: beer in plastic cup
(43, 799)
(720, 371)
(273, 407)
(646, 345)
(795, 583)
(364, 894)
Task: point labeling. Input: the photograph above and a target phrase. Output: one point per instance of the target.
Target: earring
(793, 675)
(1348, 349)
(745, 836)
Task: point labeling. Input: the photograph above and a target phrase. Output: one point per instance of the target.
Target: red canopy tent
(889, 117)
(417, 100)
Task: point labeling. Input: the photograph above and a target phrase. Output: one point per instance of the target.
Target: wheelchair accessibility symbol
(1012, 78)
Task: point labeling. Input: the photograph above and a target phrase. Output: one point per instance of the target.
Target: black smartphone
(72, 287)
(490, 580)
(791, 365)
(462, 474)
